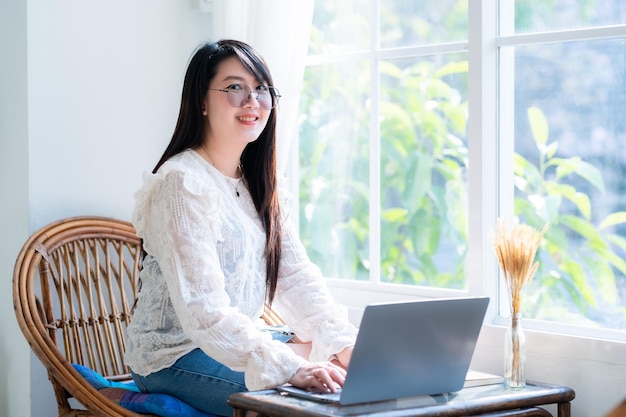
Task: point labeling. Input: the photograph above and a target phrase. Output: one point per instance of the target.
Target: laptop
(408, 349)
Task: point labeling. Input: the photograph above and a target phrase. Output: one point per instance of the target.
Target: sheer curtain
(279, 30)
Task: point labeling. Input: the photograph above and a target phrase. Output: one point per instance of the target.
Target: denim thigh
(200, 380)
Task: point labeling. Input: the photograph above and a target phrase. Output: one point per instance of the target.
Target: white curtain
(279, 30)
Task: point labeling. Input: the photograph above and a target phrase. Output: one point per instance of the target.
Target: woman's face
(228, 124)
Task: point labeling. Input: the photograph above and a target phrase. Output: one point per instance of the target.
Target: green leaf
(395, 215)
(418, 178)
(452, 68)
(602, 274)
(387, 68)
(580, 226)
(539, 126)
(577, 273)
(564, 167)
(591, 174)
(456, 116)
(394, 118)
(551, 149)
(527, 173)
(425, 234)
(616, 261)
(581, 200)
(613, 219)
(605, 280)
(617, 240)
(576, 165)
(456, 201)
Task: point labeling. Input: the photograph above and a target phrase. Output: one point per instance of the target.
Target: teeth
(247, 119)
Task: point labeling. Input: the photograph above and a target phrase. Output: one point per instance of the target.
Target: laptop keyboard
(328, 396)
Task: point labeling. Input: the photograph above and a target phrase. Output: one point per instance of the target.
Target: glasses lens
(240, 95)
(265, 99)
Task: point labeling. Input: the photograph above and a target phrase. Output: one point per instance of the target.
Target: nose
(252, 94)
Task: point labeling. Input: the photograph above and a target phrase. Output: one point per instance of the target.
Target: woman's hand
(319, 376)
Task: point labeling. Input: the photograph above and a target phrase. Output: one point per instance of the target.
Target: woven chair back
(74, 285)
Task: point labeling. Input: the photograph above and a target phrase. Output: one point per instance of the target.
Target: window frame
(490, 192)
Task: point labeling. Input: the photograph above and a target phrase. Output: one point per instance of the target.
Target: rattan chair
(74, 285)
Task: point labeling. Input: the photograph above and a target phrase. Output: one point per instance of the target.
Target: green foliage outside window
(580, 260)
(420, 122)
(424, 217)
(423, 173)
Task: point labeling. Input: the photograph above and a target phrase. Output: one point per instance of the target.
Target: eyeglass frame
(273, 91)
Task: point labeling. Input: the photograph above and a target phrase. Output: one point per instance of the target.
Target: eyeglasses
(238, 95)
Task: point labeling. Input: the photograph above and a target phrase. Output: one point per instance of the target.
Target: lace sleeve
(304, 301)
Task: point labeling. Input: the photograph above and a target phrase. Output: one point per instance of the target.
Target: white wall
(89, 97)
(104, 80)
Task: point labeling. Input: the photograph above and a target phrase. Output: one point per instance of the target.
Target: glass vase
(515, 353)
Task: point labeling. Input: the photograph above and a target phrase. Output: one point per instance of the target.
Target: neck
(228, 165)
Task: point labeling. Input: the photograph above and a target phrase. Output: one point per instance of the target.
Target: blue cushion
(128, 396)
(98, 381)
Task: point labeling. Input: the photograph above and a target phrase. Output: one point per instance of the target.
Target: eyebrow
(233, 78)
(240, 79)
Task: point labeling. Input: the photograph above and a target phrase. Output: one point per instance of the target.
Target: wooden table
(488, 400)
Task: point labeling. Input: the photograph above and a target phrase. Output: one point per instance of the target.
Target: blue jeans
(199, 380)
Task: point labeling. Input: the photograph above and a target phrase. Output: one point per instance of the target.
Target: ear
(205, 106)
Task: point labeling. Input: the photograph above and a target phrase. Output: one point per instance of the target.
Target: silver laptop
(408, 349)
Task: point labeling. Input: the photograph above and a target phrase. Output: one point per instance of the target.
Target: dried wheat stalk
(516, 249)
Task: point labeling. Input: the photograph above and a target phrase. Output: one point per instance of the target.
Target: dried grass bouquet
(516, 249)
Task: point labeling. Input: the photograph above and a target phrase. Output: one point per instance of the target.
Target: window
(415, 136)
(564, 110)
(394, 218)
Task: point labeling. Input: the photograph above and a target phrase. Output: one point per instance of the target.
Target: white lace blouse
(203, 280)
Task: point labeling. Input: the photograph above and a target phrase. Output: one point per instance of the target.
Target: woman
(219, 245)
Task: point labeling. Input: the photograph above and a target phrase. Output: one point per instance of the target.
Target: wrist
(344, 356)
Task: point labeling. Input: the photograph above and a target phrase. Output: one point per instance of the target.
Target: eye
(235, 87)
(262, 88)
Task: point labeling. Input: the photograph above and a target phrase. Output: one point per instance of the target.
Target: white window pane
(544, 16)
(423, 117)
(570, 170)
(410, 23)
(334, 168)
(340, 26)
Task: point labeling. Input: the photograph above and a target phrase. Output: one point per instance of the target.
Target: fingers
(319, 376)
(330, 378)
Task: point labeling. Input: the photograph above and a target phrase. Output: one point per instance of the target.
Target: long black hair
(258, 159)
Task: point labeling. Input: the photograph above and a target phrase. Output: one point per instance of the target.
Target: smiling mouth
(248, 119)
